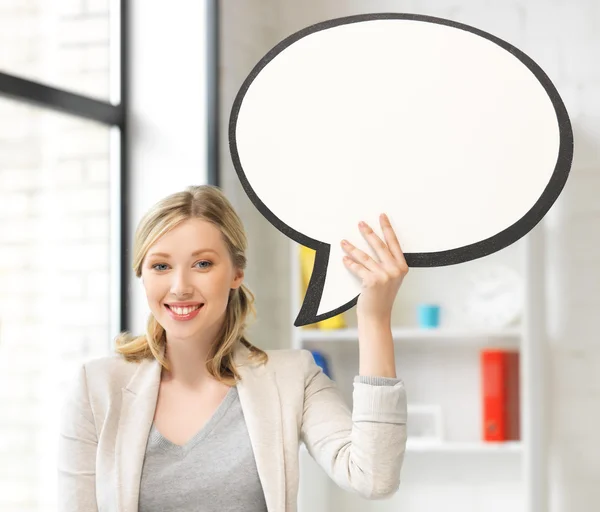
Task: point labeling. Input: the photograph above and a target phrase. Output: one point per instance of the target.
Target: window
(54, 284)
(62, 176)
(65, 44)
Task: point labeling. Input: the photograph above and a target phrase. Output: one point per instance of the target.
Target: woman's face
(187, 275)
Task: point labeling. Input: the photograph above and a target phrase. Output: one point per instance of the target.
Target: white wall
(167, 131)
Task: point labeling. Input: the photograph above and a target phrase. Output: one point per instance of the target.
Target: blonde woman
(192, 417)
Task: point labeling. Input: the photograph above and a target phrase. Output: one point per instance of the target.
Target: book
(307, 262)
(500, 395)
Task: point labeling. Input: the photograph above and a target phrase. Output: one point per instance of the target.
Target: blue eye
(161, 267)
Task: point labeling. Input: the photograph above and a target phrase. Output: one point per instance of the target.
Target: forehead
(191, 233)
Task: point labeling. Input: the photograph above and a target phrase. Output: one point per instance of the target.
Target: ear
(238, 279)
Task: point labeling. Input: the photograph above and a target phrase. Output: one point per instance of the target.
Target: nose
(181, 286)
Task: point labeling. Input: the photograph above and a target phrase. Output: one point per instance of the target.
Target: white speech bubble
(458, 136)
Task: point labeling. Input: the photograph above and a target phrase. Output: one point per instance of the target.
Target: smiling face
(188, 275)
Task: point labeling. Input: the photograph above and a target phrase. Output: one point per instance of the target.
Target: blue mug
(429, 316)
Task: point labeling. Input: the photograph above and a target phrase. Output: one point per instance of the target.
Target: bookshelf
(441, 367)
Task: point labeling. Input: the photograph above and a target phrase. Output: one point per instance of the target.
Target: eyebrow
(194, 254)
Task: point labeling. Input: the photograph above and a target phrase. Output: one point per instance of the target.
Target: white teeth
(183, 311)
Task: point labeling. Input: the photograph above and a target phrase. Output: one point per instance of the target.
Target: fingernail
(361, 224)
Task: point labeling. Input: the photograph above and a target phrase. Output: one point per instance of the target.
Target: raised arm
(363, 450)
(380, 281)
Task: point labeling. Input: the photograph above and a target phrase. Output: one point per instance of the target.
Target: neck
(187, 362)
(187, 358)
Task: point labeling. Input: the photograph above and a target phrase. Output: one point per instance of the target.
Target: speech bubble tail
(309, 312)
(305, 318)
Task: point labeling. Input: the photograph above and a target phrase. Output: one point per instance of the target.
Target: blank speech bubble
(458, 136)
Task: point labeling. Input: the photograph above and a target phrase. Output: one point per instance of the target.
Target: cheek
(219, 287)
(152, 288)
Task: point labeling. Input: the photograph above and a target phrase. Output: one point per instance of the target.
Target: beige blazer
(107, 418)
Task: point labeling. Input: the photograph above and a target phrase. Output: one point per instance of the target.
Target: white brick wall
(54, 236)
(31, 32)
(564, 38)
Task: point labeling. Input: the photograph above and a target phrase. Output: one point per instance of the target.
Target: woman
(193, 417)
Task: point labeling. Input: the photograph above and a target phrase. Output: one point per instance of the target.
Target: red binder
(500, 393)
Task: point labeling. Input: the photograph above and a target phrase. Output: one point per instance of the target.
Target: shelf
(464, 448)
(414, 334)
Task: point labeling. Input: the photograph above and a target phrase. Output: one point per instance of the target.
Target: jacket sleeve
(77, 451)
(361, 450)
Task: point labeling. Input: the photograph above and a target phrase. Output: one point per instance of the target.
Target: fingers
(380, 248)
(358, 269)
(389, 253)
(359, 257)
(392, 241)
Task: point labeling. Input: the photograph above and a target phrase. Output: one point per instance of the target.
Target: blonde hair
(208, 203)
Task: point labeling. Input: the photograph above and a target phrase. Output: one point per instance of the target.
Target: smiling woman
(193, 409)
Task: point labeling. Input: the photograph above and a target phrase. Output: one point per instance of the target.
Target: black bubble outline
(312, 299)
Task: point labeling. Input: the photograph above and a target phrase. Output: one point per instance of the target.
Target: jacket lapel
(138, 404)
(259, 397)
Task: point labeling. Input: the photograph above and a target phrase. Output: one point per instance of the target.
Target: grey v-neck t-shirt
(214, 471)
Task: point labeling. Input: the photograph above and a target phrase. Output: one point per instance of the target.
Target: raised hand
(381, 278)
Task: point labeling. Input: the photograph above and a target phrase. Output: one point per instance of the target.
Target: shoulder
(289, 359)
(107, 373)
(293, 364)
(95, 383)
(112, 366)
